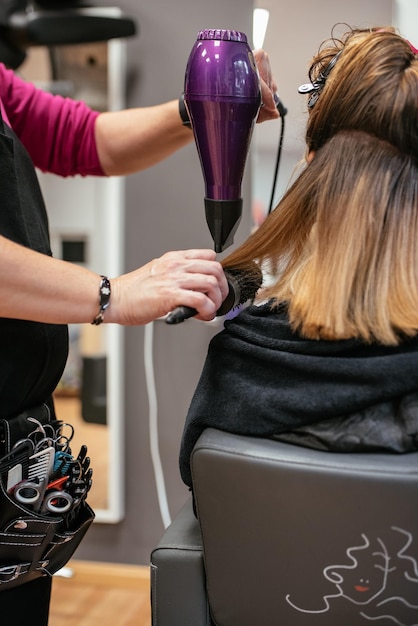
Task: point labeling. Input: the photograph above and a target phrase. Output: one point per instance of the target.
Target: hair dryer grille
(222, 35)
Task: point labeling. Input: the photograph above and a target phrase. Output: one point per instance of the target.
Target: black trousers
(27, 605)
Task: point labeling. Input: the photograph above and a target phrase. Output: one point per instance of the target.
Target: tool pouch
(34, 544)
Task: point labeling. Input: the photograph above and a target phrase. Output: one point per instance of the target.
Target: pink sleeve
(57, 132)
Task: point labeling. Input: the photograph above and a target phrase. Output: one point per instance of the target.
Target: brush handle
(179, 314)
(242, 287)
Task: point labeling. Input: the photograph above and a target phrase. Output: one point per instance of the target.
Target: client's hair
(343, 241)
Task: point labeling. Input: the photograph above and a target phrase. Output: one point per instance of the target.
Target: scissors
(34, 494)
(62, 434)
(50, 435)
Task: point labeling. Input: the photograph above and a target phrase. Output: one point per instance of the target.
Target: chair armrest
(178, 582)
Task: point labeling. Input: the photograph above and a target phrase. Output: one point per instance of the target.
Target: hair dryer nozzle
(223, 217)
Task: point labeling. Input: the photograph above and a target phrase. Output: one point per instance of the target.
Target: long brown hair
(343, 241)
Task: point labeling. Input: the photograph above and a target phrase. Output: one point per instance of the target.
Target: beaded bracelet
(104, 300)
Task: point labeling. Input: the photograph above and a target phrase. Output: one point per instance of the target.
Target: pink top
(57, 132)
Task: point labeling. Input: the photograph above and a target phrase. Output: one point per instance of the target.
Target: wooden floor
(101, 594)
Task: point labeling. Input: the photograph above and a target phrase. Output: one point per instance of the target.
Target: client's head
(343, 241)
(371, 86)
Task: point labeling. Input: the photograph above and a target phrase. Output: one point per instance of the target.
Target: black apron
(32, 354)
(32, 359)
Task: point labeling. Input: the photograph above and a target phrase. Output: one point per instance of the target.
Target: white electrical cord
(153, 424)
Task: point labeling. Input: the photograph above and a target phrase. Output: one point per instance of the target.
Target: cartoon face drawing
(366, 578)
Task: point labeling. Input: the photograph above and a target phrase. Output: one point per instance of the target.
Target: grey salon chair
(289, 536)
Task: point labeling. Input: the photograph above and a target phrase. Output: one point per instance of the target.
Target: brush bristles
(243, 285)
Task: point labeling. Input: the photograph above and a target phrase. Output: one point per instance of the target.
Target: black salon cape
(262, 379)
(32, 354)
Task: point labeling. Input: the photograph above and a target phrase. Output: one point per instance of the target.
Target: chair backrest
(294, 536)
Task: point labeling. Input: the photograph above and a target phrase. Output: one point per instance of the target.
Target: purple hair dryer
(222, 96)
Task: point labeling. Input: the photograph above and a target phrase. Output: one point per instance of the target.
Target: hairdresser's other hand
(188, 277)
(268, 85)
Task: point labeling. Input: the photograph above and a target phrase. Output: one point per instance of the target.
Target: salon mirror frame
(104, 200)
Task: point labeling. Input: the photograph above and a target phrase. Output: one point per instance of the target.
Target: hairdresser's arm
(37, 287)
(134, 139)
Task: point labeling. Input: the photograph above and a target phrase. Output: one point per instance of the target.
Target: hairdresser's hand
(189, 277)
(268, 110)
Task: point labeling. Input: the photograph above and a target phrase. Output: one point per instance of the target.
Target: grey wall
(164, 211)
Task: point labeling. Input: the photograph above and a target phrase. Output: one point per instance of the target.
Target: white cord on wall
(153, 424)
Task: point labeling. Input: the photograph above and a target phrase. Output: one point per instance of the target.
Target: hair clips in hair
(316, 86)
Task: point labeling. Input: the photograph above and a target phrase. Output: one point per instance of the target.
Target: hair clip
(312, 88)
(316, 86)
